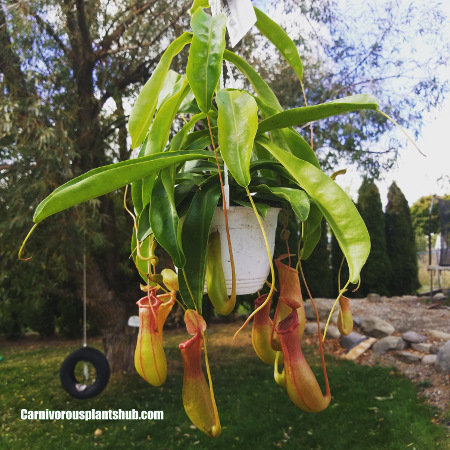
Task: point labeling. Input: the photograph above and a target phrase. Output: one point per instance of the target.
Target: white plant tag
(240, 18)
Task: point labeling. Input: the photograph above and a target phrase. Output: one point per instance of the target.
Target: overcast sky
(415, 174)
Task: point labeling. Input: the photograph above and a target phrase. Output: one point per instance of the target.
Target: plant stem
(272, 271)
(225, 213)
(190, 292)
(24, 242)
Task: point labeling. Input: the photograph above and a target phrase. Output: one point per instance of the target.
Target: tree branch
(6, 166)
(71, 25)
(143, 70)
(107, 41)
(10, 62)
(47, 27)
(84, 29)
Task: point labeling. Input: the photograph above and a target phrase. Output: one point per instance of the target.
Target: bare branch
(6, 166)
(10, 63)
(107, 41)
(143, 70)
(47, 27)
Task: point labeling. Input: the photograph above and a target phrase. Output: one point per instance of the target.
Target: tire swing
(80, 388)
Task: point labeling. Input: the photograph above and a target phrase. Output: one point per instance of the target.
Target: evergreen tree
(420, 215)
(377, 268)
(400, 244)
(317, 268)
(336, 263)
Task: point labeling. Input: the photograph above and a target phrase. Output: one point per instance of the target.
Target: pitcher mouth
(288, 324)
(190, 341)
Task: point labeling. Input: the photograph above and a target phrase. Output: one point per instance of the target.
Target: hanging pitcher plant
(176, 185)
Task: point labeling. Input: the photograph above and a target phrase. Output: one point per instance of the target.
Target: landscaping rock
(311, 328)
(413, 337)
(409, 298)
(440, 335)
(357, 320)
(389, 343)
(429, 359)
(443, 358)
(434, 349)
(439, 297)
(422, 347)
(332, 332)
(323, 306)
(408, 357)
(374, 298)
(352, 339)
(376, 327)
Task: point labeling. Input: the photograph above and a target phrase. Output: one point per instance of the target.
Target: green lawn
(372, 407)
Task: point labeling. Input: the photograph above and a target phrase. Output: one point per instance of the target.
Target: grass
(372, 407)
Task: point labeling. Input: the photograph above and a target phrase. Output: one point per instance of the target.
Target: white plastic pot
(249, 250)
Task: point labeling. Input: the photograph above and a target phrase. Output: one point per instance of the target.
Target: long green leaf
(199, 139)
(143, 221)
(310, 242)
(164, 218)
(314, 220)
(287, 138)
(297, 116)
(178, 140)
(237, 123)
(335, 205)
(297, 145)
(261, 88)
(137, 194)
(198, 4)
(194, 236)
(106, 179)
(205, 56)
(296, 197)
(142, 113)
(272, 31)
(168, 88)
(160, 130)
(189, 105)
(141, 264)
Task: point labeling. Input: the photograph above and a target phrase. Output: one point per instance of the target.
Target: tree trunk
(119, 349)
(111, 311)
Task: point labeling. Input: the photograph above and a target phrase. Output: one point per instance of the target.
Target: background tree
(66, 66)
(420, 212)
(395, 50)
(317, 268)
(68, 72)
(376, 271)
(400, 244)
(336, 266)
(420, 216)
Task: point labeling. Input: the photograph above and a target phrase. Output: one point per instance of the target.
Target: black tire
(67, 372)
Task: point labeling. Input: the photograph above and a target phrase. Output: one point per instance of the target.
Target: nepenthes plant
(176, 183)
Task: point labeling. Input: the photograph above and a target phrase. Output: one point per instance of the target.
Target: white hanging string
(216, 8)
(85, 366)
(84, 301)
